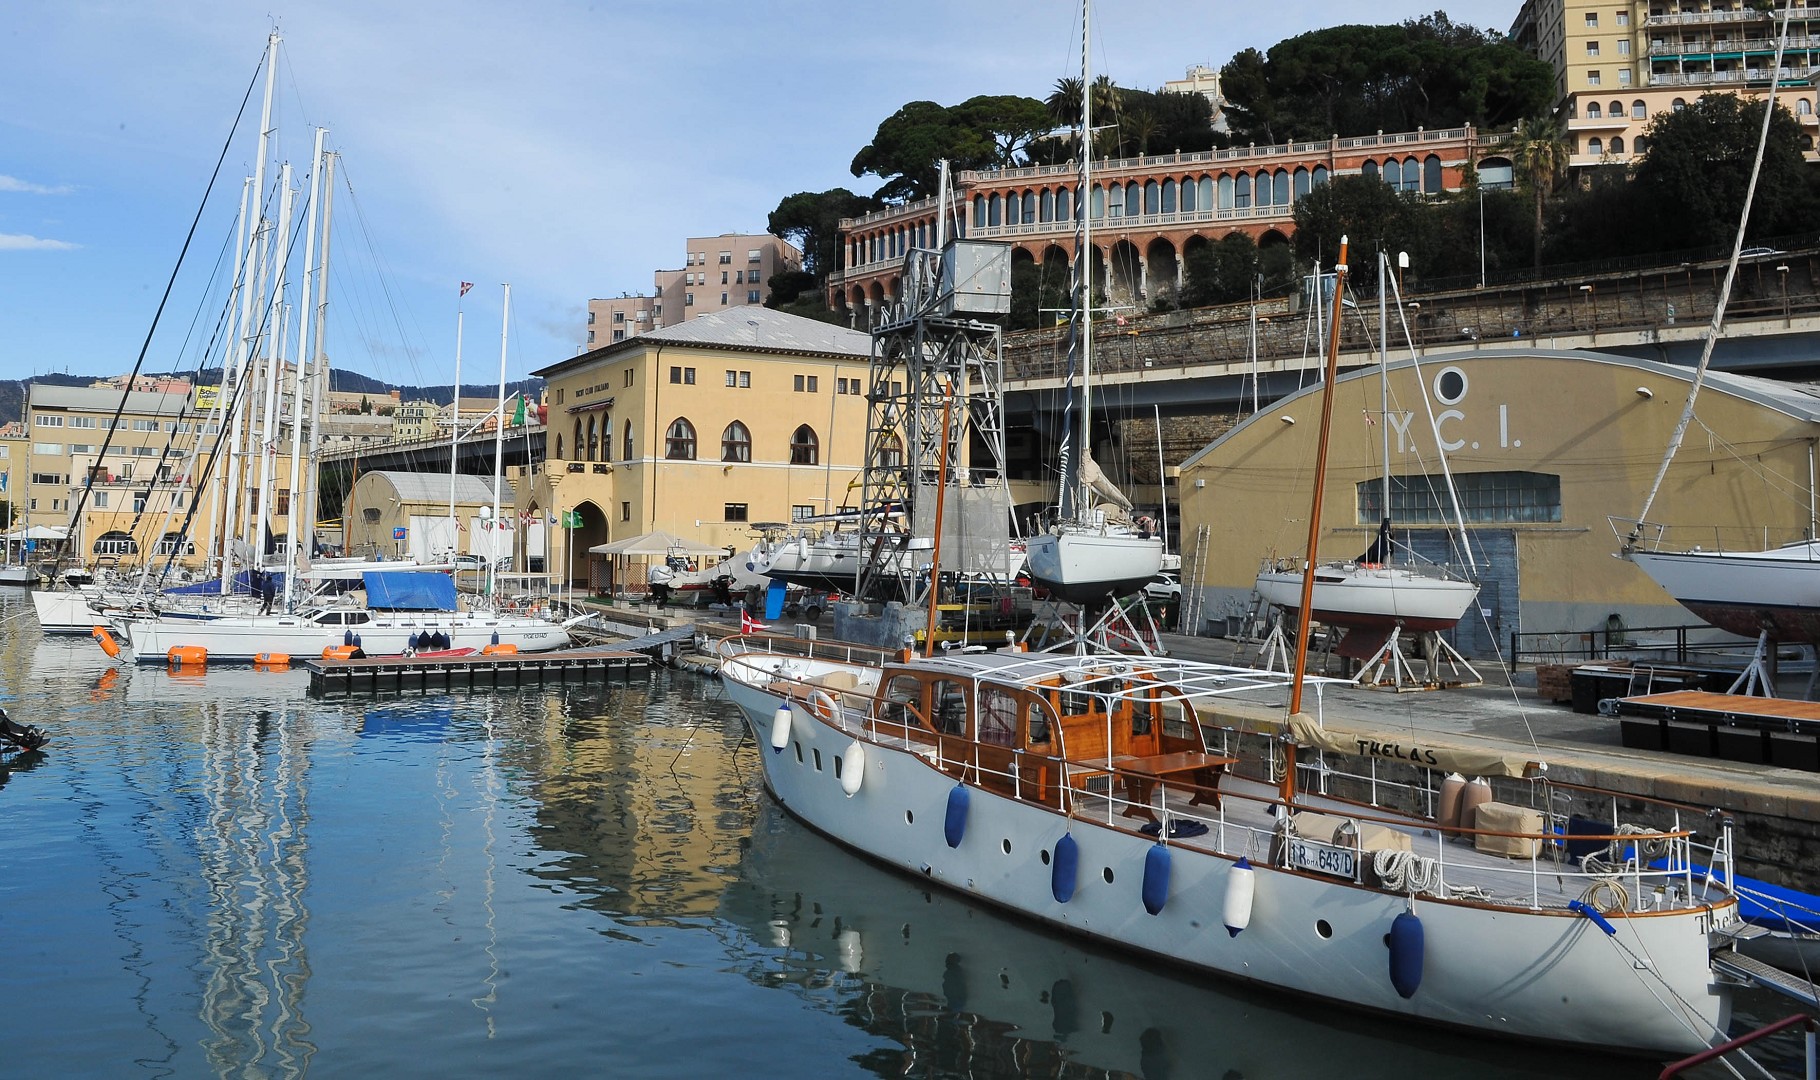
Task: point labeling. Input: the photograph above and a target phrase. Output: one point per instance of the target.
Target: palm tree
(1539, 149)
(1064, 103)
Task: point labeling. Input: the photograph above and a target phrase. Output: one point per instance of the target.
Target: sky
(568, 148)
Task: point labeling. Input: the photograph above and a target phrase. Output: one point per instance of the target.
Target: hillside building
(732, 270)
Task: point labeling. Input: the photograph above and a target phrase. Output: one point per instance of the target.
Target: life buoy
(108, 644)
(821, 704)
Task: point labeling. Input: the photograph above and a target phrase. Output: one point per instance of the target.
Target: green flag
(571, 519)
(518, 414)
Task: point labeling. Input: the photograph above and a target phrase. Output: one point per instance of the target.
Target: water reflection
(962, 990)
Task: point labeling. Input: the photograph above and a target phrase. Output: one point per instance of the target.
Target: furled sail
(1096, 481)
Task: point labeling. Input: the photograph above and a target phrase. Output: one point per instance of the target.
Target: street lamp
(1782, 272)
(1593, 311)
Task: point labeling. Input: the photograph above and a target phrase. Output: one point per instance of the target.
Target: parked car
(1164, 588)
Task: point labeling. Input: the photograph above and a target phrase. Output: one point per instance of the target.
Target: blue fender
(1156, 877)
(1064, 867)
(954, 826)
(1405, 941)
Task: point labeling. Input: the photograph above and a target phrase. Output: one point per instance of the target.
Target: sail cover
(405, 590)
(1409, 747)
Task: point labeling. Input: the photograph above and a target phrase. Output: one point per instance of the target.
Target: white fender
(1241, 886)
(780, 728)
(852, 768)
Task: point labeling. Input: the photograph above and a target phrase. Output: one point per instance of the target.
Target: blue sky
(565, 147)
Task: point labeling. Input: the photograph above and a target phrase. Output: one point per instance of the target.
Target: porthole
(909, 817)
(1450, 385)
(1107, 874)
(818, 758)
(1006, 844)
(837, 764)
(1045, 856)
(799, 753)
(1322, 928)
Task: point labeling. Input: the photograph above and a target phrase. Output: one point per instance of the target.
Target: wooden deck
(1733, 727)
(375, 674)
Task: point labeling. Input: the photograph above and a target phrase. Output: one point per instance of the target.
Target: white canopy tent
(659, 543)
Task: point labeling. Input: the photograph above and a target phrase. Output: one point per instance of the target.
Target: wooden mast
(1314, 513)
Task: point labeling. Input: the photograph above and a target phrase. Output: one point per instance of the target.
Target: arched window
(1617, 144)
(594, 446)
(1804, 107)
(1190, 201)
(1279, 185)
(1639, 146)
(1227, 195)
(1638, 110)
(736, 443)
(1393, 174)
(1133, 200)
(116, 543)
(1153, 197)
(1594, 146)
(559, 448)
(1412, 174)
(679, 441)
(805, 449)
(994, 210)
(629, 444)
(1204, 200)
(1301, 181)
(1368, 169)
(979, 211)
(887, 451)
(1616, 108)
(1064, 204)
(1029, 206)
(1098, 209)
(1592, 110)
(1168, 205)
(1431, 175)
(1241, 195)
(1320, 175)
(1013, 209)
(1046, 211)
(1115, 199)
(581, 444)
(1263, 182)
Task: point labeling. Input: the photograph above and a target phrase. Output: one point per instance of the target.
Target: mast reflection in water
(222, 876)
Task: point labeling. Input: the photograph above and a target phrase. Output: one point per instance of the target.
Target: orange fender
(108, 644)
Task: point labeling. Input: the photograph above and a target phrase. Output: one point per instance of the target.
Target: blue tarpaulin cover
(243, 584)
(406, 590)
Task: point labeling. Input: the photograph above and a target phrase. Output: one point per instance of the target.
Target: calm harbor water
(218, 875)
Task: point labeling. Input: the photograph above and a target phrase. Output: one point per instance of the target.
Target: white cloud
(26, 187)
(22, 242)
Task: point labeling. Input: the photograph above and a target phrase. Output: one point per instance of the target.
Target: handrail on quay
(1798, 1020)
(1602, 642)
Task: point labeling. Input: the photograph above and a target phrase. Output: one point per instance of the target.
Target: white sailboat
(1092, 552)
(1083, 792)
(1372, 594)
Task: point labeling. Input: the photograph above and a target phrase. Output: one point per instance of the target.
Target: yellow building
(1545, 448)
(702, 429)
(137, 497)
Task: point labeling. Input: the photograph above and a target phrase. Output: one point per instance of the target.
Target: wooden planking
(1729, 706)
(377, 673)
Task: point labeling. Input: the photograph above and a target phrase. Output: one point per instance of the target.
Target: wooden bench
(1083, 743)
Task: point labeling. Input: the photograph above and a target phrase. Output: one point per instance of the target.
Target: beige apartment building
(1620, 64)
(732, 270)
(704, 429)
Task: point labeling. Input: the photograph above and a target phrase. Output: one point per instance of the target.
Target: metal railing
(1799, 1020)
(1681, 643)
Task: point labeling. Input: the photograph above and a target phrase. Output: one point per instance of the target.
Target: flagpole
(455, 426)
(499, 444)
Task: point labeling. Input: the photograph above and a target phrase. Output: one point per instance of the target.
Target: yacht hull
(1744, 592)
(1373, 596)
(243, 638)
(1091, 567)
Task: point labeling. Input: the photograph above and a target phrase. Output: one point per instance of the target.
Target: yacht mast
(267, 442)
(293, 512)
(1320, 488)
(234, 376)
(499, 445)
(455, 423)
(319, 363)
(1083, 308)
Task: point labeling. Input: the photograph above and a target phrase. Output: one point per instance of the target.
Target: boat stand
(1067, 630)
(1276, 648)
(1390, 669)
(1759, 676)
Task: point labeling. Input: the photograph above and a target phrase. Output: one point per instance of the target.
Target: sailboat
(1371, 595)
(1087, 792)
(1092, 552)
(14, 571)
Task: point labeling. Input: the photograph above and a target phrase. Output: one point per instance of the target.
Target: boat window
(329, 618)
(1039, 723)
(998, 716)
(355, 617)
(950, 707)
(902, 697)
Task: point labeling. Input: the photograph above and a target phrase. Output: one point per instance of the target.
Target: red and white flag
(465, 286)
(747, 625)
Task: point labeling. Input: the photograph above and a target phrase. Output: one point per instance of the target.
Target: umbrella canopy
(656, 543)
(40, 532)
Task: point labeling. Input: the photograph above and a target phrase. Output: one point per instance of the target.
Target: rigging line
(384, 275)
(1725, 291)
(145, 347)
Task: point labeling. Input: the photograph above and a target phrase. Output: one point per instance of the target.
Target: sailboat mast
(233, 375)
(1384, 392)
(220, 524)
(1320, 486)
(298, 412)
(455, 423)
(1084, 308)
(499, 442)
(267, 443)
(320, 360)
